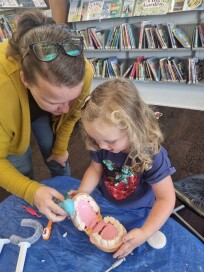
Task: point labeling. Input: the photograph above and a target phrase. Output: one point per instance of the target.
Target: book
(170, 69)
(125, 37)
(174, 42)
(92, 42)
(132, 72)
(100, 33)
(8, 3)
(137, 63)
(155, 67)
(193, 5)
(32, 3)
(39, 3)
(115, 44)
(110, 37)
(84, 10)
(148, 71)
(198, 70)
(84, 35)
(104, 68)
(151, 7)
(111, 9)
(133, 34)
(162, 35)
(201, 33)
(176, 6)
(5, 27)
(181, 36)
(176, 61)
(162, 68)
(75, 11)
(12, 20)
(113, 62)
(127, 8)
(127, 71)
(150, 41)
(141, 33)
(184, 5)
(94, 9)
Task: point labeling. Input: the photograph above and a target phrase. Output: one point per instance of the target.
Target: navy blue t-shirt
(122, 187)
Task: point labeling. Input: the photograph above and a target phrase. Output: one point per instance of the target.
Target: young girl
(128, 164)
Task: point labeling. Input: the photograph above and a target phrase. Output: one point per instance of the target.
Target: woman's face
(54, 99)
(108, 137)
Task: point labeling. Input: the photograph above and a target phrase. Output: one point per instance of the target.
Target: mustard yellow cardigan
(15, 128)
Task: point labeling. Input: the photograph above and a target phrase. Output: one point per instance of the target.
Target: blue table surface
(183, 251)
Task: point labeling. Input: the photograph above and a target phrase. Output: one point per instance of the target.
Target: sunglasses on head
(48, 51)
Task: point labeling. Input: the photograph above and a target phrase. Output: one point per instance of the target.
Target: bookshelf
(10, 11)
(172, 94)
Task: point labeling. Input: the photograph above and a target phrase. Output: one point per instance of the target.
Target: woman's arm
(161, 210)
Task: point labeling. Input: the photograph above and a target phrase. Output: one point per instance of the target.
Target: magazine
(151, 7)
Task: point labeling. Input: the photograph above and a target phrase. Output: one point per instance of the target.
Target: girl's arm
(91, 178)
(161, 210)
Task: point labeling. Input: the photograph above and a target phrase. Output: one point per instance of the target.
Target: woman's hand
(59, 159)
(43, 200)
(132, 239)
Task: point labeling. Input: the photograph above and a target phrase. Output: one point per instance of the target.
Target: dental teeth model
(106, 233)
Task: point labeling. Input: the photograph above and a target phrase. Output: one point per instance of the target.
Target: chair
(190, 191)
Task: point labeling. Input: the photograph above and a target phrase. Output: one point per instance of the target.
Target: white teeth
(96, 238)
(103, 243)
(111, 243)
(80, 223)
(94, 206)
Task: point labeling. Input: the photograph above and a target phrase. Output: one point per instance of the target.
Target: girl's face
(108, 137)
(54, 99)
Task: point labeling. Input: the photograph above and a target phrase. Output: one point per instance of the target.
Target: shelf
(169, 14)
(198, 48)
(172, 94)
(175, 94)
(143, 50)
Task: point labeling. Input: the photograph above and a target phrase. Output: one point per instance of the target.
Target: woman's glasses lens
(45, 51)
(72, 47)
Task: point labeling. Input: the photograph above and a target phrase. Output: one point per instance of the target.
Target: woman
(44, 79)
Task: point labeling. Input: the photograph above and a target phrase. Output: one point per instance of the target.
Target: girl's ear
(22, 77)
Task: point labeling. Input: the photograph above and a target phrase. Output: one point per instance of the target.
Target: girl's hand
(59, 159)
(131, 240)
(72, 193)
(43, 200)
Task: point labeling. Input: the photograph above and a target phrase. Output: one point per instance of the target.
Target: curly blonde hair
(117, 102)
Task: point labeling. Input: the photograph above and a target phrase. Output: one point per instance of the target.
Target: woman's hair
(33, 26)
(118, 103)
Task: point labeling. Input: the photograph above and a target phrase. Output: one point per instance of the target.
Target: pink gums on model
(106, 230)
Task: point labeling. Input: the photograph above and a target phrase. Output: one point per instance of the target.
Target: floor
(183, 130)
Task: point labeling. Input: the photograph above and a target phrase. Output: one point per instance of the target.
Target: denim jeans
(23, 163)
(44, 136)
